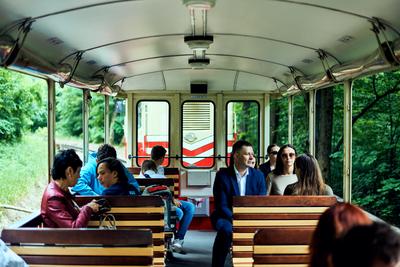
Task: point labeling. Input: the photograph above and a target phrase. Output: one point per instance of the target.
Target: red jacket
(59, 211)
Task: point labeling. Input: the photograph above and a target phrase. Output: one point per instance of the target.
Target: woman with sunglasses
(310, 181)
(269, 166)
(283, 175)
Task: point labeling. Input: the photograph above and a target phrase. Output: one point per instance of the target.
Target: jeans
(185, 215)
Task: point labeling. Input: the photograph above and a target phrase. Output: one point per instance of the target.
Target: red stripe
(197, 151)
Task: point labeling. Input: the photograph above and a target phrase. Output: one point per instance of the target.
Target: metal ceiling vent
(199, 63)
(199, 42)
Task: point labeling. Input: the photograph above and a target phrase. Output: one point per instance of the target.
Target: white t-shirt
(279, 183)
(152, 174)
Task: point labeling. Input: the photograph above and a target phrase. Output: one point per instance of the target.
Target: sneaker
(177, 246)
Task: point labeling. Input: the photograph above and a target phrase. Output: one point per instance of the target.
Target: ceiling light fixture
(198, 63)
(199, 42)
(199, 4)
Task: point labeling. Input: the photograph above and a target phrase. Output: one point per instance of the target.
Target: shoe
(177, 246)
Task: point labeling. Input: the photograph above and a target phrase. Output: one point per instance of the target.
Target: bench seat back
(81, 247)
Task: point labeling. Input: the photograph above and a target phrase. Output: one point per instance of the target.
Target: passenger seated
(58, 208)
(269, 166)
(112, 176)
(283, 175)
(374, 245)
(310, 181)
(184, 209)
(149, 170)
(88, 184)
(333, 224)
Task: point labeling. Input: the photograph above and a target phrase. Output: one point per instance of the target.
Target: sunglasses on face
(274, 153)
(290, 155)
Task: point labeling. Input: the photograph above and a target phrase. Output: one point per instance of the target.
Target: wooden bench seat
(81, 247)
(280, 246)
(251, 213)
(136, 212)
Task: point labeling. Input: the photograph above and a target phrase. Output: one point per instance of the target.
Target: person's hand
(93, 205)
(177, 203)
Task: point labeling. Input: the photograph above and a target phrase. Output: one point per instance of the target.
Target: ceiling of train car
(258, 45)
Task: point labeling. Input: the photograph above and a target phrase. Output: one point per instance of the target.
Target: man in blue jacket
(239, 179)
(88, 184)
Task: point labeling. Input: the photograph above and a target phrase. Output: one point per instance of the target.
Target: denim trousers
(185, 215)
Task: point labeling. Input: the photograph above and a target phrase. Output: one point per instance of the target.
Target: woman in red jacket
(58, 209)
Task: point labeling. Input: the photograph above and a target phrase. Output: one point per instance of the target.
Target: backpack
(169, 208)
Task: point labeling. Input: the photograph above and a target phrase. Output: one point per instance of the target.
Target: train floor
(198, 247)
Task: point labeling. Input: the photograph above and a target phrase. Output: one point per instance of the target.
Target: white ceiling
(255, 41)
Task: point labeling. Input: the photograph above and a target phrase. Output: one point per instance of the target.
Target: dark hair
(157, 152)
(63, 160)
(333, 223)
(106, 151)
(114, 164)
(365, 245)
(149, 165)
(269, 148)
(279, 162)
(310, 181)
(235, 148)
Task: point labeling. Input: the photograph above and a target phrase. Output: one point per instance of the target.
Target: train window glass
(279, 121)
(198, 134)
(328, 132)
(117, 123)
(376, 145)
(96, 121)
(152, 128)
(300, 123)
(242, 123)
(69, 131)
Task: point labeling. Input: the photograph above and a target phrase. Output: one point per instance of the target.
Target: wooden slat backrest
(277, 246)
(133, 212)
(172, 173)
(251, 213)
(83, 247)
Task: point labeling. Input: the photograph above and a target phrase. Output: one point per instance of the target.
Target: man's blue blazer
(226, 186)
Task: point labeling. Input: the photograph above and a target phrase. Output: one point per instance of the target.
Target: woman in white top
(283, 175)
(149, 170)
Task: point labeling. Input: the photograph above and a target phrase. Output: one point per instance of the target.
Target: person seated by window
(283, 175)
(88, 184)
(58, 208)
(374, 245)
(310, 181)
(158, 155)
(149, 170)
(333, 224)
(112, 176)
(269, 166)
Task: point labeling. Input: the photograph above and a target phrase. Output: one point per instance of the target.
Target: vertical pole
(129, 128)
(51, 124)
(267, 123)
(176, 126)
(85, 124)
(106, 119)
(347, 141)
(220, 134)
(290, 119)
(311, 122)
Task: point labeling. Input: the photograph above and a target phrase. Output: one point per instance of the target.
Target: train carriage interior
(197, 75)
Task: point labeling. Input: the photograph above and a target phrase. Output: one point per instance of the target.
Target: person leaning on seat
(58, 209)
(239, 179)
(88, 184)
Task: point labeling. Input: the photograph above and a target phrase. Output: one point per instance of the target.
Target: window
(198, 134)
(152, 128)
(243, 123)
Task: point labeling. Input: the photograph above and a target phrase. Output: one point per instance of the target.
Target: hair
(333, 223)
(237, 146)
(158, 152)
(279, 162)
(366, 245)
(114, 164)
(106, 151)
(269, 148)
(63, 160)
(310, 181)
(149, 165)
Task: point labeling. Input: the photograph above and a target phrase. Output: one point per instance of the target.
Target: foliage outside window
(198, 134)
(243, 123)
(300, 123)
(279, 121)
(152, 128)
(96, 120)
